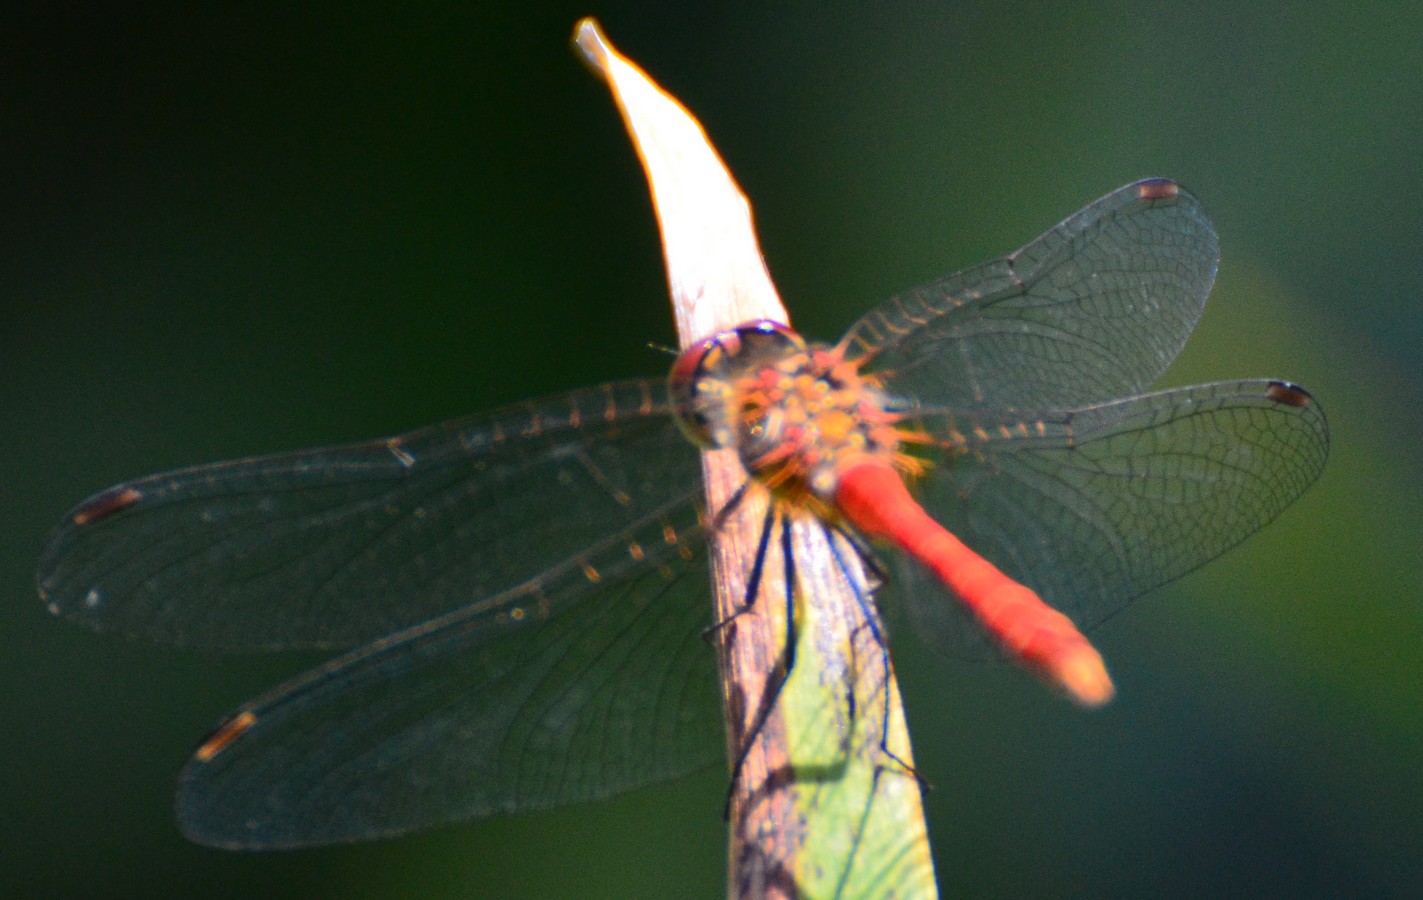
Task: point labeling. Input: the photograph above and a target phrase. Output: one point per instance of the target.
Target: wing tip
(105, 504)
(1288, 393)
(1152, 189)
(221, 737)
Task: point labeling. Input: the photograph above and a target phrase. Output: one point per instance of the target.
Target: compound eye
(765, 337)
(704, 377)
(688, 367)
(692, 387)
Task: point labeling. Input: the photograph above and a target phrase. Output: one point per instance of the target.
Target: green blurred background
(229, 231)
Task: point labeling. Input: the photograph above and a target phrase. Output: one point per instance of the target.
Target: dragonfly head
(796, 413)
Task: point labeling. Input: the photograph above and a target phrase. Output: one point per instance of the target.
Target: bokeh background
(247, 229)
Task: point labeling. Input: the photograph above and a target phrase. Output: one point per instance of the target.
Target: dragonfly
(522, 596)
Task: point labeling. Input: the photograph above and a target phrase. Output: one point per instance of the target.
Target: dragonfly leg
(871, 623)
(758, 566)
(781, 672)
(878, 576)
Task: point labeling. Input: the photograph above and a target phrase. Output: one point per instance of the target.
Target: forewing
(1094, 309)
(1094, 507)
(336, 546)
(589, 680)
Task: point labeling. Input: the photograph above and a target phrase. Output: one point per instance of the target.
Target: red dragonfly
(527, 590)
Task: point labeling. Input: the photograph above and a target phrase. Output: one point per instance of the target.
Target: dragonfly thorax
(796, 413)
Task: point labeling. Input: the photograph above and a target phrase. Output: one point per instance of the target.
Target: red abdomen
(872, 496)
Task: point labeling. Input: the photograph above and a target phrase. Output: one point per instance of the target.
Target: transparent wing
(589, 680)
(1096, 506)
(1095, 309)
(337, 546)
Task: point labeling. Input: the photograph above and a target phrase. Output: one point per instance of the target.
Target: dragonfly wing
(589, 680)
(1094, 507)
(333, 547)
(1096, 308)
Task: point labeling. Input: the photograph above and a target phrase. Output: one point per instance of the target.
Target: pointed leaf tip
(715, 272)
(592, 46)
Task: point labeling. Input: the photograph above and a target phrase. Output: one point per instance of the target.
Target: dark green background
(243, 230)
